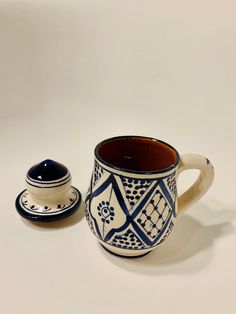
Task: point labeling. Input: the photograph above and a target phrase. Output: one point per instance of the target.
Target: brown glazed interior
(137, 154)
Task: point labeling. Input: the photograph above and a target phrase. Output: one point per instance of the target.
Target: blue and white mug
(132, 202)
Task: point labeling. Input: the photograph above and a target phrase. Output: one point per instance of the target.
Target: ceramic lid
(49, 195)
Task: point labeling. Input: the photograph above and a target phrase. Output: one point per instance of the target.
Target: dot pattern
(27, 204)
(153, 217)
(106, 212)
(127, 241)
(98, 171)
(171, 182)
(134, 189)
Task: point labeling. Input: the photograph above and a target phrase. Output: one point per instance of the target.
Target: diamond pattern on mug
(153, 217)
(134, 189)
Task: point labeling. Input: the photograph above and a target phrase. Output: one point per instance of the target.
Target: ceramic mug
(132, 202)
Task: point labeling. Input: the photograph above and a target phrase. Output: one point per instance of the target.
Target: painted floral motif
(106, 212)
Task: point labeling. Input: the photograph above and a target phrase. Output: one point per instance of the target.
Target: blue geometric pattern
(130, 213)
(153, 217)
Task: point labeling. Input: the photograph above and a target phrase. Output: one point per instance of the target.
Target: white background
(75, 72)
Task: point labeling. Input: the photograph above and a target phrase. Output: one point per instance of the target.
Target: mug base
(124, 256)
(125, 253)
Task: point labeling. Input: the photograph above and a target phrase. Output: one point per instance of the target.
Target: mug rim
(172, 166)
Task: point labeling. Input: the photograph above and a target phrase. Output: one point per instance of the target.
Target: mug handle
(202, 183)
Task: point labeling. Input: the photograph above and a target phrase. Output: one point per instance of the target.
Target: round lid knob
(47, 170)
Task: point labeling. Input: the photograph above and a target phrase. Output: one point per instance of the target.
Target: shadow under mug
(132, 203)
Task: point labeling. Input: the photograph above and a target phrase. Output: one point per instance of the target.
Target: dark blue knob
(47, 170)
